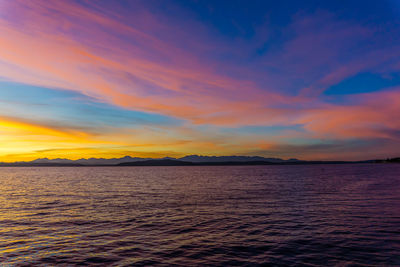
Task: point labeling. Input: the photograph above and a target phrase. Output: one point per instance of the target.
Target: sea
(296, 215)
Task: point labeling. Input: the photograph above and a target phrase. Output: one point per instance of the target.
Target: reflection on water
(246, 215)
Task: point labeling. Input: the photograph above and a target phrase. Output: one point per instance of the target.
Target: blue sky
(305, 79)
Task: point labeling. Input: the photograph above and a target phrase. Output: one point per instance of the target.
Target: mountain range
(191, 160)
(128, 159)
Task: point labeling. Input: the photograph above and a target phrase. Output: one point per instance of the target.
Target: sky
(291, 79)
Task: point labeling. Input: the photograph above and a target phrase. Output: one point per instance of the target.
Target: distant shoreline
(168, 162)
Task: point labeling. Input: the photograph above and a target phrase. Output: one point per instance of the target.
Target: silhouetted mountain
(168, 162)
(197, 158)
(158, 162)
(51, 161)
(39, 164)
(191, 160)
(90, 161)
(113, 161)
(128, 159)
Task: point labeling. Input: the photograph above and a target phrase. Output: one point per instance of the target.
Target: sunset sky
(303, 79)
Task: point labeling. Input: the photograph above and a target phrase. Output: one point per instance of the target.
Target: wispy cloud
(151, 64)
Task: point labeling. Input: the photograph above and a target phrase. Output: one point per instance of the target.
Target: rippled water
(191, 216)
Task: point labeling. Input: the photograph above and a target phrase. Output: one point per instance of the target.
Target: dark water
(193, 216)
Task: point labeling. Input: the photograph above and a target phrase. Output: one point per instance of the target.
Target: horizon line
(200, 156)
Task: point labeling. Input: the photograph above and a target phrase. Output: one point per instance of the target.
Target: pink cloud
(66, 46)
(374, 116)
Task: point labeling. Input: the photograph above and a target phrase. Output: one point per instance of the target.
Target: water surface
(193, 216)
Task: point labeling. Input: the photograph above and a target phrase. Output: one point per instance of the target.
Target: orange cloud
(27, 128)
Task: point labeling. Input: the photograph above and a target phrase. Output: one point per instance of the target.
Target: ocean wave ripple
(321, 215)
